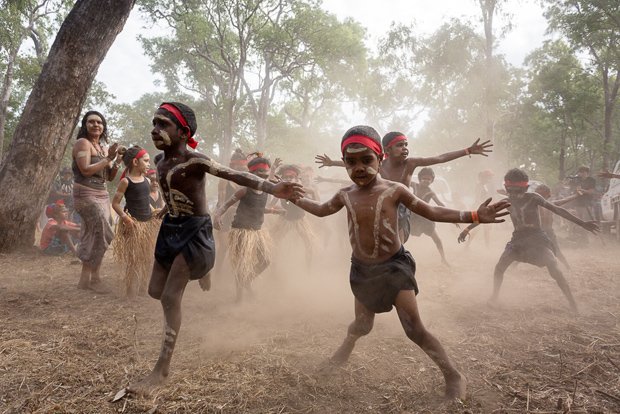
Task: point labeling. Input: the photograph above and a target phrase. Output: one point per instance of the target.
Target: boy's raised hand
(288, 190)
(489, 213)
(480, 148)
(324, 160)
(591, 226)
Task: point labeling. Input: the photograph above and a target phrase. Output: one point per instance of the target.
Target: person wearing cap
(382, 274)
(58, 233)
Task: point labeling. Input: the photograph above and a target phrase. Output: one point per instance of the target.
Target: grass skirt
(302, 227)
(249, 252)
(134, 249)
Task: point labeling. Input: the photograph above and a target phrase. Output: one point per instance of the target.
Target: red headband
(259, 166)
(522, 184)
(365, 141)
(396, 139)
(139, 155)
(179, 116)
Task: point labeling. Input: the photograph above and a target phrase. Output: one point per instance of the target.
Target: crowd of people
(164, 233)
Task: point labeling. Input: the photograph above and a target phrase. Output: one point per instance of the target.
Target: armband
(474, 217)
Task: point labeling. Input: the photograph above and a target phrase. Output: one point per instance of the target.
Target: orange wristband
(474, 217)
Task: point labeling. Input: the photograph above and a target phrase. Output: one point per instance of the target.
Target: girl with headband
(136, 230)
(249, 245)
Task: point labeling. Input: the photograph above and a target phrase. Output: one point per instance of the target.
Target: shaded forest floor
(64, 350)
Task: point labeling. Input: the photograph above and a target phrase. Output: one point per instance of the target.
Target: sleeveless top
(293, 213)
(250, 213)
(137, 200)
(156, 204)
(95, 181)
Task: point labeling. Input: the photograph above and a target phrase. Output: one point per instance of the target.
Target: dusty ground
(63, 350)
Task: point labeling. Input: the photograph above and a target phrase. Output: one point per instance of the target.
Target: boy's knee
(155, 293)
(169, 301)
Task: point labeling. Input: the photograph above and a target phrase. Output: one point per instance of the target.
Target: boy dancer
(421, 225)
(382, 272)
(529, 242)
(398, 167)
(185, 249)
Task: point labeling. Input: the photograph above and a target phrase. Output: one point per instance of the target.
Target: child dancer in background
(294, 218)
(249, 246)
(421, 225)
(136, 231)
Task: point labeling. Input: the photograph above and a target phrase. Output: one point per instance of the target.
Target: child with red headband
(185, 249)
(249, 245)
(529, 243)
(134, 240)
(293, 218)
(399, 167)
(382, 272)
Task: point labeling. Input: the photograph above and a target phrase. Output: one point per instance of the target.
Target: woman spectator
(93, 165)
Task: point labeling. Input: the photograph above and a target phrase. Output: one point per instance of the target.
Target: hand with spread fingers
(288, 190)
(480, 148)
(463, 236)
(489, 213)
(591, 226)
(324, 160)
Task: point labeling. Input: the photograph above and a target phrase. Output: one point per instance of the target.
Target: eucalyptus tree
(51, 113)
(593, 27)
(24, 33)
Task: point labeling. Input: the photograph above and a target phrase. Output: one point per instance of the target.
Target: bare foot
(83, 285)
(205, 282)
(147, 385)
(343, 353)
(99, 287)
(456, 387)
(493, 303)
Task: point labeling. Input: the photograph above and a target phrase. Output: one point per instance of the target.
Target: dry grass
(65, 351)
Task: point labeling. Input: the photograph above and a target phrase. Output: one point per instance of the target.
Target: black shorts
(530, 246)
(190, 235)
(377, 285)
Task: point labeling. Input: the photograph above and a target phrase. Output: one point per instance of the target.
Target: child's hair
(258, 160)
(387, 138)
(583, 168)
(289, 167)
(543, 190)
(188, 114)
(83, 132)
(238, 155)
(366, 131)
(516, 175)
(426, 172)
(129, 154)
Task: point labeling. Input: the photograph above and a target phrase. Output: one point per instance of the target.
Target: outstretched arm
(476, 148)
(325, 161)
(563, 201)
(486, 213)
(437, 200)
(588, 225)
(221, 210)
(463, 235)
(282, 189)
(334, 205)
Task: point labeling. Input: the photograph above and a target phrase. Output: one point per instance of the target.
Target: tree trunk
(5, 93)
(611, 95)
(51, 113)
(488, 10)
(562, 166)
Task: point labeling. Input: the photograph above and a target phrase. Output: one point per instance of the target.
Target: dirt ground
(69, 351)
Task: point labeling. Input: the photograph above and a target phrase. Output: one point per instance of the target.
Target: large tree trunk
(51, 113)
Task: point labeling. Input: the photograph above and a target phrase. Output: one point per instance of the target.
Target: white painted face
(362, 164)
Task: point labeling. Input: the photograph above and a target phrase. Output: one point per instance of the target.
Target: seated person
(57, 235)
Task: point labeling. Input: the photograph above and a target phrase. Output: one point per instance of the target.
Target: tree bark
(52, 112)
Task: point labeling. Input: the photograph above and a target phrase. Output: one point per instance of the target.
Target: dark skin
(424, 191)
(399, 167)
(83, 150)
(525, 216)
(182, 175)
(372, 204)
(64, 231)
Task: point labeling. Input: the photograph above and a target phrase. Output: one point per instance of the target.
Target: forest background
(287, 78)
